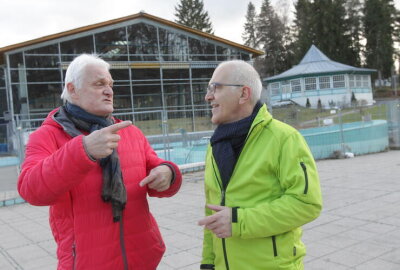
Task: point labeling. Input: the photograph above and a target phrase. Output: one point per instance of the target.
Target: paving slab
(359, 227)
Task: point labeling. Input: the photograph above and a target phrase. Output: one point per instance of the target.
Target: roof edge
(364, 71)
(123, 19)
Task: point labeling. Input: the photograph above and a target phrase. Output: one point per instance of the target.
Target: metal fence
(394, 123)
(174, 134)
(182, 135)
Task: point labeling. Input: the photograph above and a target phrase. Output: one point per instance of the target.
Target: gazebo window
(296, 86)
(365, 81)
(358, 81)
(338, 81)
(352, 83)
(324, 82)
(310, 83)
(274, 88)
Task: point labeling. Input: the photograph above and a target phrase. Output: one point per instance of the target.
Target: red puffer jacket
(57, 172)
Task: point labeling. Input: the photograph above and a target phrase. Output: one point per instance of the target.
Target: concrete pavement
(359, 227)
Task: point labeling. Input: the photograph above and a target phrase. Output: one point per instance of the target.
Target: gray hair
(76, 71)
(242, 72)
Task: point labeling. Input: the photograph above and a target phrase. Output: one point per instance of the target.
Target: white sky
(22, 20)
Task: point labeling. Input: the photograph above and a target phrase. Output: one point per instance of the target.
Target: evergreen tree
(249, 35)
(379, 28)
(308, 104)
(319, 105)
(353, 99)
(192, 14)
(323, 23)
(270, 31)
(303, 29)
(354, 21)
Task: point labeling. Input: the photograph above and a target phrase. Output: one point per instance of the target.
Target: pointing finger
(216, 208)
(116, 127)
(147, 180)
(207, 220)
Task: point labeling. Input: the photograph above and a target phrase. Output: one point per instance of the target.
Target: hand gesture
(100, 143)
(158, 179)
(219, 223)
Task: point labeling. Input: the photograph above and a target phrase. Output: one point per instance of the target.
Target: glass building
(157, 65)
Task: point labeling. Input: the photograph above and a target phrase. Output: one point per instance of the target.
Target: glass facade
(3, 93)
(154, 67)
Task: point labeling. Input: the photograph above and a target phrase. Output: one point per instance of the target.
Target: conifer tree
(270, 31)
(192, 14)
(354, 21)
(379, 19)
(323, 23)
(303, 29)
(249, 35)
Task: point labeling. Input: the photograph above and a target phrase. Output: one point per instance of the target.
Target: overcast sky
(22, 20)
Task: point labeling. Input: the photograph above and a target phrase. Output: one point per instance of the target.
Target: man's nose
(209, 96)
(108, 91)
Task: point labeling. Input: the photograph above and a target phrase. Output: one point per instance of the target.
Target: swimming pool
(357, 137)
(325, 142)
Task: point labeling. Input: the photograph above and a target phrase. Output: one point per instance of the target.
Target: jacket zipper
(222, 203)
(223, 189)
(305, 176)
(73, 257)
(122, 241)
(223, 239)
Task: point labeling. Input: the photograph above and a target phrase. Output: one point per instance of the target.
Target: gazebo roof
(315, 62)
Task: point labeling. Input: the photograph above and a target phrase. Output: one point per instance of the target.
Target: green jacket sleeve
(300, 201)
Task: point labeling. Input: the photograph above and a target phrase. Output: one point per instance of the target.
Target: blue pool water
(358, 138)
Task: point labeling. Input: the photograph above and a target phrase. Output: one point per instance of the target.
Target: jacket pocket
(304, 167)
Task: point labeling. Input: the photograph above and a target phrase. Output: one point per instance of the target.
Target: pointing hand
(220, 223)
(158, 179)
(102, 142)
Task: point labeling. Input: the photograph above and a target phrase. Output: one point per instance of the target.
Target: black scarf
(227, 143)
(73, 119)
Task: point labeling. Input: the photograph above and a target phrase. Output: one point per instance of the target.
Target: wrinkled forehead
(97, 72)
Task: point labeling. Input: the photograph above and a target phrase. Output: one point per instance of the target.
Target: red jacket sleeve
(49, 171)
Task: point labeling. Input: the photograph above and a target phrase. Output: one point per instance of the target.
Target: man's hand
(100, 143)
(158, 179)
(219, 223)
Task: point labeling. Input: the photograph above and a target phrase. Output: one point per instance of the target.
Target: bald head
(240, 72)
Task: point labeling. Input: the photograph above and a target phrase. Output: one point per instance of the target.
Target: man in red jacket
(95, 172)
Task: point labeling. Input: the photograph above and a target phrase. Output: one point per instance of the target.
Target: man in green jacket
(261, 181)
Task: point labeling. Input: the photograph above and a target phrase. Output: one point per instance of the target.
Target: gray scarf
(74, 119)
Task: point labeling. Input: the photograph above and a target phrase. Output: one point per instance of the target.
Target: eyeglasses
(213, 86)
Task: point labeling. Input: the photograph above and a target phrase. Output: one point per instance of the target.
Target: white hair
(241, 72)
(76, 71)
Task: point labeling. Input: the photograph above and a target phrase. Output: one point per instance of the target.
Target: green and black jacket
(274, 190)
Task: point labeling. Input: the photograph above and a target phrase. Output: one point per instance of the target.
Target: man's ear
(246, 95)
(71, 90)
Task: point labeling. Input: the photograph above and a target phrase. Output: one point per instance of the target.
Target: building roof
(140, 15)
(315, 62)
